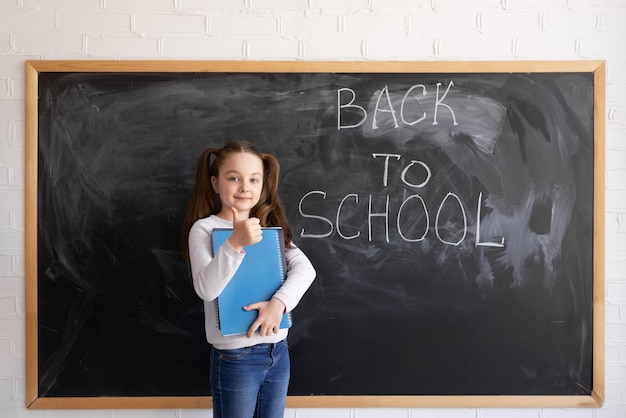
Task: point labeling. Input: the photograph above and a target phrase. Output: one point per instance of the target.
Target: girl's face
(239, 184)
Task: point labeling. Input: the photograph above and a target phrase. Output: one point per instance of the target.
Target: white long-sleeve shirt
(212, 274)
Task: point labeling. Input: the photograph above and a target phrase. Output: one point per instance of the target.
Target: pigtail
(204, 200)
(270, 209)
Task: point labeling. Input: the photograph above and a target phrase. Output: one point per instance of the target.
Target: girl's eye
(254, 180)
(233, 178)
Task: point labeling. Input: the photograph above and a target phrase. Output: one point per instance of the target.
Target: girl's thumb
(235, 214)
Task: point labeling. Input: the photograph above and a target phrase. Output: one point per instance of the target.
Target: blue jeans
(250, 382)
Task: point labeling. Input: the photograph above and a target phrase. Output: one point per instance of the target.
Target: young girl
(239, 190)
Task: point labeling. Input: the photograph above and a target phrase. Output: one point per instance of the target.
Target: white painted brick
(214, 5)
(612, 312)
(7, 388)
(615, 200)
(560, 21)
(11, 367)
(28, 43)
(406, 48)
(615, 239)
(419, 413)
(12, 66)
(4, 175)
(11, 240)
(10, 285)
(616, 72)
(12, 110)
(475, 4)
(170, 24)
(567, 413)
(20, 308)
(308, 27)
(6, 263)
(204, 413)
(509, 21)
(5, 218)
(70, 21)
(12, 198)
(449, 21)
(122, 46)
(9, 4)
(374, 24)
(4, 88)
(339, 49)
(16, 177)
(278, 4)
(152, 413)
(615, 269)
(510, 413)
(622, 353)
(8, 307)
(11, 328)
(15, 87)
(617, 115)
(545, 47)
(611, 411)
(613, 220)
(615, 138)
(614, 394)
(193, 48)
(5, 43)
(18, 261)
(602, 46)
(325, 413)
(17, 410)
(617, 291)
(616, 374)
(343, 4)
(118, 414)
(10, 154)
(243, 25)
(615, 159)
(6, 345)
(25, 20)
(141, 5)
(470, 47)
(616, 179)
(587, 4)
(18, 347)
(275, 49)
(617, 91)
(536, 4)
(385, 5)
(17, 220)
(62, 4)
(11, 132)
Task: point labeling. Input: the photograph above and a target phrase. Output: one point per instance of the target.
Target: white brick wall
(307, 30)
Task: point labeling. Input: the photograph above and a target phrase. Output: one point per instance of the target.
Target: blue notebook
(259, 276)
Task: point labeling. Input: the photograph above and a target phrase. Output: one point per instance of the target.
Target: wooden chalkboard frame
(34, 68)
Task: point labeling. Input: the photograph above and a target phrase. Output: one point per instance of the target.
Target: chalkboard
(453, 212)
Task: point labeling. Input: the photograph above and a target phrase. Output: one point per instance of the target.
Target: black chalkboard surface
(452, 216)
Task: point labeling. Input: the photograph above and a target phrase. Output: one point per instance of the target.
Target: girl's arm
(210, 274)
(300, 275)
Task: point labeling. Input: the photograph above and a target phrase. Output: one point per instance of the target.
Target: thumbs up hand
(246, 231)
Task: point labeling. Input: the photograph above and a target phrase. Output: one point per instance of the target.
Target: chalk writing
(348, 105)
(451, 199)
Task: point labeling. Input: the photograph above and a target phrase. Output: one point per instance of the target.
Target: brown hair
(205, 202)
